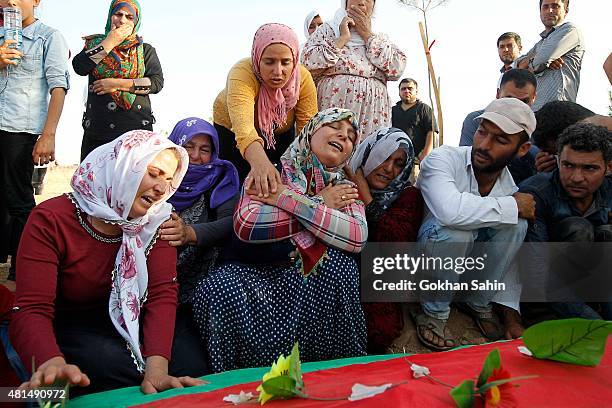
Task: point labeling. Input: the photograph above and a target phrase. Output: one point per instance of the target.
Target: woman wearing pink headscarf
(267, 99)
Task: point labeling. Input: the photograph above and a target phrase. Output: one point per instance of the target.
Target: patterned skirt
(249, 315)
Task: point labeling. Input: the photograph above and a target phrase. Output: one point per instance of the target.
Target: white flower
(239, 398)
(525, 351)
(419, 371)
(360, 391)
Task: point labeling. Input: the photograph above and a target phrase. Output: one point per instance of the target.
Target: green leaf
(282, 386)
(295, 368)
(463, 394)
(492, 362)
(574, 341)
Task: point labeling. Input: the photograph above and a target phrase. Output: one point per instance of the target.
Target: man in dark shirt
(509, 49)
(414, 117)
(573, 204)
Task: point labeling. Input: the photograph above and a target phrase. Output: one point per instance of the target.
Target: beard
(495, 165)
(507, 59)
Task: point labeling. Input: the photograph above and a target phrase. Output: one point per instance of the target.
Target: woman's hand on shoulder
(263, 177)
(54, 371)
(177, 232)
(271, 199)
(362, 183)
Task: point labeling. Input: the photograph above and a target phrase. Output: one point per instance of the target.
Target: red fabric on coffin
(558, 384)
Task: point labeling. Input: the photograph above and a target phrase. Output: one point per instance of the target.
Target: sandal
(423, 322)
(482, 319)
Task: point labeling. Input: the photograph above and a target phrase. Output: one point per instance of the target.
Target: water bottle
(12, 26)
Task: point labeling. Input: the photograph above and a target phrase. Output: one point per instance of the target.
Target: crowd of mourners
(220, 246)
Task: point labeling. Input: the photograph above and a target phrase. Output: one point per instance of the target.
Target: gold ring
(343, 197)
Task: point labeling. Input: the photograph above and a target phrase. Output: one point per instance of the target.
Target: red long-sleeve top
(64, 269)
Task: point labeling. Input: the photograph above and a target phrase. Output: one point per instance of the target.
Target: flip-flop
(484, 317)
(423, 321)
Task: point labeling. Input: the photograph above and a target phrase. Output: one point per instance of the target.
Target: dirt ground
(461, 326)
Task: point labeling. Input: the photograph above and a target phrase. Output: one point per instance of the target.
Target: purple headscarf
(219, 175)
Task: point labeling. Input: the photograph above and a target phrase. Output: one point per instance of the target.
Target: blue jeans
(11, 354)
(500, 244)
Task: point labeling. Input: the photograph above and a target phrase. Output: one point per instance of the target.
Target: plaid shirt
(345, 229)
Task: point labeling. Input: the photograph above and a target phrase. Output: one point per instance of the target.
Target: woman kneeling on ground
(204, 205)
(250, 313)
(381, 168)
(94, 278)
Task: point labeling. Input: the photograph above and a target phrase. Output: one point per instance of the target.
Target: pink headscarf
(273, 104)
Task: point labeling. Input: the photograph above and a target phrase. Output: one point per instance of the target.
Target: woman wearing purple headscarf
(204, 204)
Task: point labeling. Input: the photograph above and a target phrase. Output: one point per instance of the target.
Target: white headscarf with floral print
(105, 185)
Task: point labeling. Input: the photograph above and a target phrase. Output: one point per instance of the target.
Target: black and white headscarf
(375, 150)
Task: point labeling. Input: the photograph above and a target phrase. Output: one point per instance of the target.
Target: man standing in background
(557, 58)
(509, 49)
(414, 117)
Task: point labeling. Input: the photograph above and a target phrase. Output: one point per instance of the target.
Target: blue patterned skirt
(249, 315)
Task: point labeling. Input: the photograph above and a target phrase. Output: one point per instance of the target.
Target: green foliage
(492, 362)
(280, 387)
(574, 341)
(295, 369)
(463, 394)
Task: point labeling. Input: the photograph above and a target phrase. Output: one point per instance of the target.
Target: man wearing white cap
(473, 209)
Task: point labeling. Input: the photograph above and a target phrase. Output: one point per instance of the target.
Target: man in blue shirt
(28, 117)
(573, 204)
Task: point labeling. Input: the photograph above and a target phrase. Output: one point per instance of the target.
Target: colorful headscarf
(105, 186)
(304, 173)
(219, 175)
(125, 60)
(308, 20)
(375, 150)
(273, 104)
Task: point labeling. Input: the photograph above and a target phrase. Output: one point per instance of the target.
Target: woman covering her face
(122, 72)
(268, 97)
(96, 289)
(249, 313)
(351, 65)
(381, 168)
(204, 204)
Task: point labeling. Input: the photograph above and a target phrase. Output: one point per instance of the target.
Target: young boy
(28, 117)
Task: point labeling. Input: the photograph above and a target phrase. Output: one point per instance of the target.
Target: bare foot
(513, 324)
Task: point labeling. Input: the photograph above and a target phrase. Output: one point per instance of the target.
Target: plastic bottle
(12, 26)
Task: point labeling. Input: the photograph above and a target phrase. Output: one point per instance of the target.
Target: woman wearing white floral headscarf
(94, 279)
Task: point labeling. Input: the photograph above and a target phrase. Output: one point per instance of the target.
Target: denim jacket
(25, 88)
(553, 204)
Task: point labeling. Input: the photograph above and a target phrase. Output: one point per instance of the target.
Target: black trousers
(16, 193)
(100, 352)
(228, 149)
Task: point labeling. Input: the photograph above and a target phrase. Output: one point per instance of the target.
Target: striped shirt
(345, 229)
(564, 41)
